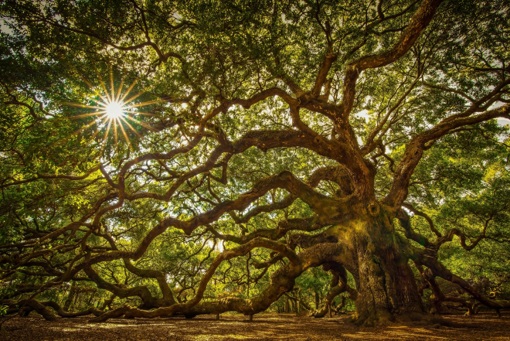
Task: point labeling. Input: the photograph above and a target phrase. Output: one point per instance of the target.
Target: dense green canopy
(165, 158)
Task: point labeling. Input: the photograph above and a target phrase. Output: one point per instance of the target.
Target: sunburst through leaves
(115, 111)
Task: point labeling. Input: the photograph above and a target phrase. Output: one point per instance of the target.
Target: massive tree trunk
(386, 285)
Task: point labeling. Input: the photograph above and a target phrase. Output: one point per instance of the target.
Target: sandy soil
(263, 327)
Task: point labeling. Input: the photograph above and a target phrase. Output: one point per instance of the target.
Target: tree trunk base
(383, 318)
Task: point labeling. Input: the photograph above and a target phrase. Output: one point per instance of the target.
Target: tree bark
(386, 285)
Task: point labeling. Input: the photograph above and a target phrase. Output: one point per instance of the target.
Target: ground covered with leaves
(263, 327)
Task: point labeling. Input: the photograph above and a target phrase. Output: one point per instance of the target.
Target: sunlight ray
(86, 106)
(140, 113)
(115, 132)
(104, 97)
(96, 133)
(107, 130)
(124, 120)
(119, 91)
(128, 91)
(95, 113)
(125, 135)
(132, 98)
(64, 140)
(105, 138)
(143, 124)
(142, 104)
(112, 87)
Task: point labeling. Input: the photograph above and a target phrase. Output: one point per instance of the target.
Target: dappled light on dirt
(263, 327)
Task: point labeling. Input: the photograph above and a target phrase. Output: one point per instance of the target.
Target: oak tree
(176, 158)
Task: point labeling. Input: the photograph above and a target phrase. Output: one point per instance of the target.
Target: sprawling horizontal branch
(249, 102)
(328, 210)
(438, 269)
(281, 281)
(428, 256)
(284, 227)
(149, 301)
(27, 305)
(325, 207)
(41, 176)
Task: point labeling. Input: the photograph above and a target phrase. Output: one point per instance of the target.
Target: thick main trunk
(387, 289)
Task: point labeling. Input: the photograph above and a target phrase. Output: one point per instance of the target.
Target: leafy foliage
(269, 152)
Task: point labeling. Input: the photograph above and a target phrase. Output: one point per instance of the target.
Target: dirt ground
(263, 327)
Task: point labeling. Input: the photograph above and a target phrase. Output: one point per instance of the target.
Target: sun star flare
(115, 111)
